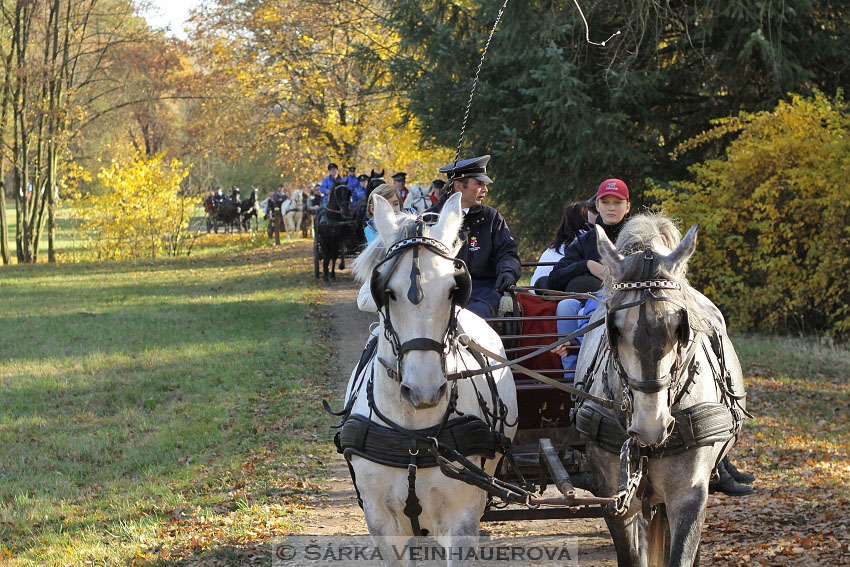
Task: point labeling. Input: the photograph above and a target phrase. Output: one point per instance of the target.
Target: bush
(774, 249)
(143, 214)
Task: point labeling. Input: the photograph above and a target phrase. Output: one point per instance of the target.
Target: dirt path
(336, 511)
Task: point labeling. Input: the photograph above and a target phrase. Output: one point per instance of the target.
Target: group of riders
(229, 211)
(571, 264)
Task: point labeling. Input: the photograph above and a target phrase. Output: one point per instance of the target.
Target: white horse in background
(417, 198)
(419, 288)
(292, 212)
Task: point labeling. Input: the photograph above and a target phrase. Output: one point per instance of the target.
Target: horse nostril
(443, 389)
(405, 392)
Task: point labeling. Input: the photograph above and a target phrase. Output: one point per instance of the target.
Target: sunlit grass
(158, 410)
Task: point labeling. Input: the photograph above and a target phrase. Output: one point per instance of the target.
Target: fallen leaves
(800, 511)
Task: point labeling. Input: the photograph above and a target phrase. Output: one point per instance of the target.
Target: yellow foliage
(774, 217)
(142, 215)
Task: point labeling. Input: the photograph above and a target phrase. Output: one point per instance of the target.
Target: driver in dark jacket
(488, 248)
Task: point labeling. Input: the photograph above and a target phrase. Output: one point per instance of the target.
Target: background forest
(730, 114)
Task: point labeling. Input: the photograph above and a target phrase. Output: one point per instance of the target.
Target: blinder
(461, 292)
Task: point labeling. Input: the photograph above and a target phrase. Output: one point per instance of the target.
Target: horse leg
(341, 251)
(627, 532)
(629, 536)
(686, 515)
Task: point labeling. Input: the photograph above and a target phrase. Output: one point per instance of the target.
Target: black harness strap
(412, 507)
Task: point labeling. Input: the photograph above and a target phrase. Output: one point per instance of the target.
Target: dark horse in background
(249, 208)
(227, 213)
(333, 227)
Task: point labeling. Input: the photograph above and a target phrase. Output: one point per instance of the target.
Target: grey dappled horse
(663, 354)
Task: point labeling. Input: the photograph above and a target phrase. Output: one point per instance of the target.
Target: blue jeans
(566, 326)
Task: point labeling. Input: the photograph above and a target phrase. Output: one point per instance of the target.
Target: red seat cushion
(535, 306)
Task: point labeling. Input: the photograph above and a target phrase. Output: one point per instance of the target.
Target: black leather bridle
(382, 296)
(674, 381)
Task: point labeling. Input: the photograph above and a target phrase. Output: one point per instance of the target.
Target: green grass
(70, 246)
(808, 357)
(158, 411)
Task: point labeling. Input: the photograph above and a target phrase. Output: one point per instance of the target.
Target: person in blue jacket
(351, 179)
(488, 248)
(359, 191)
(329, 182)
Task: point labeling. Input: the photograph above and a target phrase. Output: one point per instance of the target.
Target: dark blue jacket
(580, 250)
(488, 246)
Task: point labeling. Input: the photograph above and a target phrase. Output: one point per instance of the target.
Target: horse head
(343, 200)
(416, 289)
(647, 320)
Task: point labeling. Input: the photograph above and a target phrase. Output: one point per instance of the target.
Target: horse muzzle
(652, 435)
(424, 397)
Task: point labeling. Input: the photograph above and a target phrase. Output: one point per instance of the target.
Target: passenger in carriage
(388, 192)
(329, 182)
(489, 248)
(218, 198)
(573, 222)
(580, 270)
(351, 179)
(436, 191)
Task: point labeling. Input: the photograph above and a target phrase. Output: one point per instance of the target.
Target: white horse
(419, 288)
(292, 210)
(664, 356)
(417, 198)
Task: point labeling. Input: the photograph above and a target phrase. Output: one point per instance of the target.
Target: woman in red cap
(580, 269)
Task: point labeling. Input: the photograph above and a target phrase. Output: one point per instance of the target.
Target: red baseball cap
(613, 187)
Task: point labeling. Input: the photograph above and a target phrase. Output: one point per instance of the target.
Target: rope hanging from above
(481, 63)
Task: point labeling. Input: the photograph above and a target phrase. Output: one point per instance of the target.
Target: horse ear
(451, 218)
(677, 260)
(610, 257)
(385, 220)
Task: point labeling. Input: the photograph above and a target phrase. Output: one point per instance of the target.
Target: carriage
(659, 396)
(546, 450)
(232, 213)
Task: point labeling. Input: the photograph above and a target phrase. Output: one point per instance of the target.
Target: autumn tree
(773, 213)
(559, 114)
(53, 52)
(284, 76)
(143, 214)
